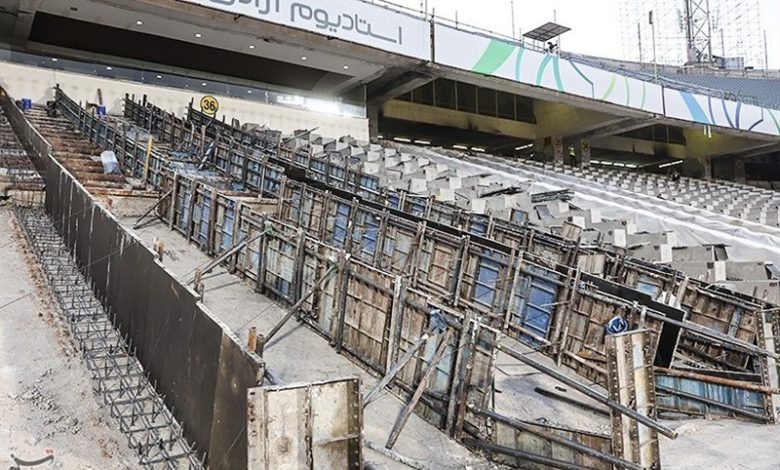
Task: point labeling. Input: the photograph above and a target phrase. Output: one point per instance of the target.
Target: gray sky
(595, 23)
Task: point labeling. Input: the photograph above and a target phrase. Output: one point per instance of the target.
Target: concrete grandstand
(258, 218)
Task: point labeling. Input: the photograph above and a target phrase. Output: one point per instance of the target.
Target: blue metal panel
(203, 227)
(370, 233)
(393, 200)
(478, 225)
(534, 303)
(369, 182)
(440, 379)
(748, 400)
(417, 206)
(649, 286)
(485, 283)
(227, 228)
(340, 224)
(272, 182)
(519, 216)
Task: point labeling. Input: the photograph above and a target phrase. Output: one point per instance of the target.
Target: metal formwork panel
(708, 399)
(534, 303)
(322, 305)
(511, 437)
(723, 314)
(279, 266)
(304, 426)
(397, 245)
(224, 224)
(630, 382)
(365, 234)
(585, 332)
(486, 278)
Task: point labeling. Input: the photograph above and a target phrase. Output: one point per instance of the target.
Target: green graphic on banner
(495, 55)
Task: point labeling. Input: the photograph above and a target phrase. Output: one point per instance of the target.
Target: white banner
(354, 21)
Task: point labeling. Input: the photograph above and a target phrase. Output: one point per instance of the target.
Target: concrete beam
(24, 20)
(458, 119)
(396, 82)
(570, 122)
(623, 125)
(755, 151)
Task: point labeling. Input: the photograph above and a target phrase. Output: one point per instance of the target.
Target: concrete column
(372, 113)
(739, 170)
(558, 150)
(583, 153)
(707, 162)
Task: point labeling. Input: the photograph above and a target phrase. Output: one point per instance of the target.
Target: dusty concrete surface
(722, 445)
(47, 405)
(298, 354)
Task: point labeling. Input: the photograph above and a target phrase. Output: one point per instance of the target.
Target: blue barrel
(26, 103)
(101, 110)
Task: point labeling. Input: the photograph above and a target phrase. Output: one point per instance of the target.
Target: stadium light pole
(655, 63)
(512, 7)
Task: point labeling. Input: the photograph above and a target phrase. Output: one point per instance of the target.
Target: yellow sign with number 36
(209, 105)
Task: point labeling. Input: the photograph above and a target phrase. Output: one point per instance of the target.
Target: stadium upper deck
(362, 59)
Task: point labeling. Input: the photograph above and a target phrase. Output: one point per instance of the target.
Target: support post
(409, 408)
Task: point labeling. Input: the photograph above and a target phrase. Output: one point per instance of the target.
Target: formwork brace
(588, 391)
(603, 456)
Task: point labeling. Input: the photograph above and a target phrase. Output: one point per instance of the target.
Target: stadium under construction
(330, 235)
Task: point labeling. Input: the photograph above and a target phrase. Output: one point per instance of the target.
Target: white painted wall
(38, 83)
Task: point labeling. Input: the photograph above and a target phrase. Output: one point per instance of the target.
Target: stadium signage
(355, 21)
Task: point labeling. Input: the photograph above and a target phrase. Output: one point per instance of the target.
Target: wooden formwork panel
(314, 425)
(438, 263)
(368, 308)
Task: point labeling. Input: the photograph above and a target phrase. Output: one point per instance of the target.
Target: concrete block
(653, 253)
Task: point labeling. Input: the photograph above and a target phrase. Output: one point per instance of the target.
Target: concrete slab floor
(46, 397)
(298, 354)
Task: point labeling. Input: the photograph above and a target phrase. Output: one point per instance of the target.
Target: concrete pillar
(558, 150)
(707, 161)
(372, 113)
(583, 153)
(739, 170)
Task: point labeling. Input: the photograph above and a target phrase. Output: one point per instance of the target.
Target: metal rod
(718, 404)
(396, 368)
(527, 456)
(588, 391)
(409, 408)
(149, 211)
(291, 311)
(533, 429)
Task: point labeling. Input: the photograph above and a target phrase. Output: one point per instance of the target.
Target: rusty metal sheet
(630, 382)
(303, 426)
